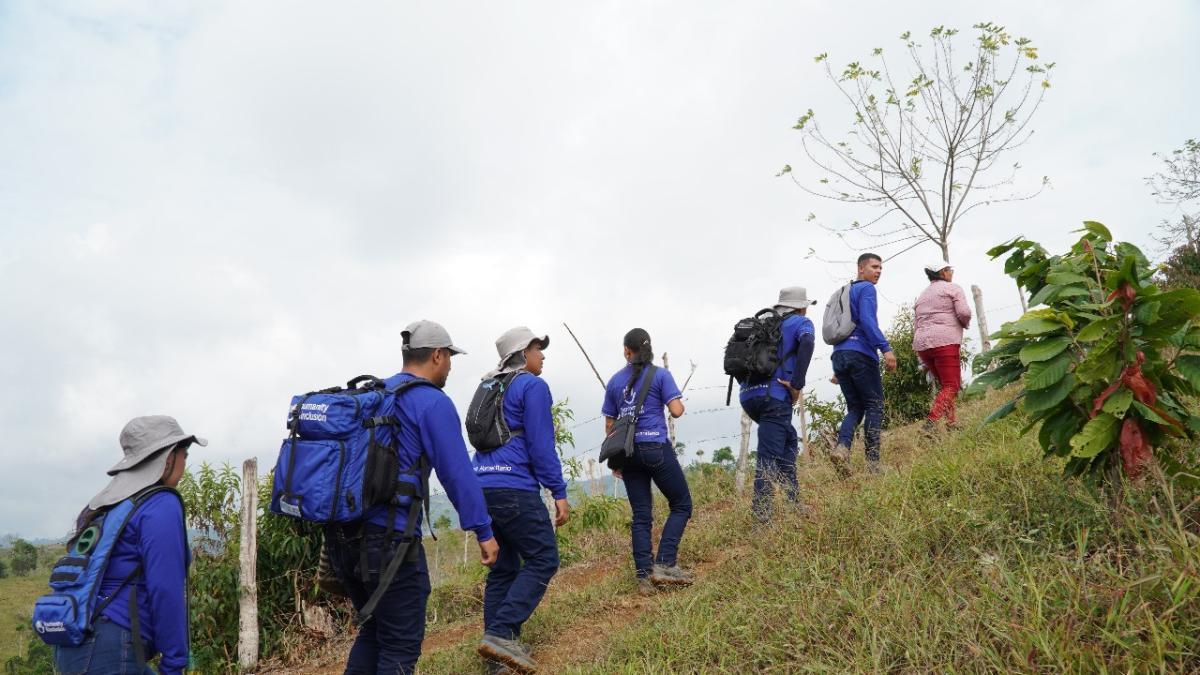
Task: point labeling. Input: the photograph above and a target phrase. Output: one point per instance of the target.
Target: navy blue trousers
(778, 445)
(656, 463)
(528, 560)
(862, 386)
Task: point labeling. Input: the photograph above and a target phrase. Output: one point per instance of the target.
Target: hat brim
(543, 342)
(793, 305)
(455, 350)
(134, 460)
(131, 481)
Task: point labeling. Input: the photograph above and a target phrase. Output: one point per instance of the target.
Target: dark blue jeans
(390, 642)
(862, 386)
(528, 560)
(107, 651)
(778, 444)
(656, 462)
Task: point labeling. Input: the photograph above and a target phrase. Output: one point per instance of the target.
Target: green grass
(16, 602)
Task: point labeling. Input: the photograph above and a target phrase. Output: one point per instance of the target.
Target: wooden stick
(670, 420)
(690, 373)
(985, 345)
(248, 561)
(585, 355)
(739, 477)
(804, 427)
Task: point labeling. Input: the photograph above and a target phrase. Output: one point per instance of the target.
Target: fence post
(985, 345)
(670, 420)
(739, 477)
(248, 558)
(804, 427)
(466, 543)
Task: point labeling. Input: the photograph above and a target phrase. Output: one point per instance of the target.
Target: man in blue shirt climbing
(512, 475)
(390, 642)
(856, 368)
(768, 401)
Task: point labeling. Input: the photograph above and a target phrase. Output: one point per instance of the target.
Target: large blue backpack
(64, 616)
(341, 458)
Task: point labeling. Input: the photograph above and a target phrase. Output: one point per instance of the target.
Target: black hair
(868, 256)
(638, 341)
(934, 276)
(416, 357)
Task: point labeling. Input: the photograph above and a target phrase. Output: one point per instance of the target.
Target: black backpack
(753, 350)
(486, 427)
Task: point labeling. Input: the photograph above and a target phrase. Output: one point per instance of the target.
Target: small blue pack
(340, 457)
(64, 616)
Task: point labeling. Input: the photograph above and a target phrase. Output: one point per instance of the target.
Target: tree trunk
(985, 344)
(248, 559)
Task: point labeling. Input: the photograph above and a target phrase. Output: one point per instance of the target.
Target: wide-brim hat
(794, 297)
(938, 266)
(516, 340)
(146, 441)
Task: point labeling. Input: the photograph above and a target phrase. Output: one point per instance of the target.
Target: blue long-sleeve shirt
(529, 459)
(156, 538)
(795, 353)
(430, 426)
(867, 338)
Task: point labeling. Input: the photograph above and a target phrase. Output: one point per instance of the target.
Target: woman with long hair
(939, 317)
(653, 461)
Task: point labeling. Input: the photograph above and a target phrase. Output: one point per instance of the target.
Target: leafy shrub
(23, 557)
(1182, 268)
(824, 419)
(3, 569)
(38, 658)
(1108, 366)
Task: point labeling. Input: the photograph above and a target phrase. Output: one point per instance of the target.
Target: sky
(208, 207)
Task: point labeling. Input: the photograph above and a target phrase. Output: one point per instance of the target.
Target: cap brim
(456, 350)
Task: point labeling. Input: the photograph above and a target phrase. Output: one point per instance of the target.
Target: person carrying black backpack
(512, 428)
(769, 400)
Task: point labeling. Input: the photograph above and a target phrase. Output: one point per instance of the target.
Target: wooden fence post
(739, 477)
(803, 427)
(985, 345)
(248, 558)
(670, 420)
(466, 543)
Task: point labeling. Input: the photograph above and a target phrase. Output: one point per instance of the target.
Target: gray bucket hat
(428, 334)
(512, 342)
(145, 441)
(794, 297)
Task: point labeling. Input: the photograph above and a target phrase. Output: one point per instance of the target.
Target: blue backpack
(64, 616)
(340, 459)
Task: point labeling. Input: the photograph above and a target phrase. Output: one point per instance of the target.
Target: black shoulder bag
(618, 445)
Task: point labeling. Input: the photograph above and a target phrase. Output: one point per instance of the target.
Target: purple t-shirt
(652, 423)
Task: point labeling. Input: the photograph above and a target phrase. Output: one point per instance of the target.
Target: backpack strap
(643, 391)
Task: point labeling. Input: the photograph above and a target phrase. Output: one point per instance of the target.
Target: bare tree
(1179, 184)
(925, 151)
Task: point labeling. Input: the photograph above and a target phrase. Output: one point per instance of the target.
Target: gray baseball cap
(428, 334)
(794, 297)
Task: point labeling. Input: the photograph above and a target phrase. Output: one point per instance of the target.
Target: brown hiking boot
(646, 587)
(840, 456)
(508, 652)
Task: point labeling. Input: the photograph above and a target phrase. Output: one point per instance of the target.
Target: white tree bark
(985, 345)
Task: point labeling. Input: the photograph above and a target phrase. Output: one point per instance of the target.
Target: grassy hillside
(971, 555)
(16, 601)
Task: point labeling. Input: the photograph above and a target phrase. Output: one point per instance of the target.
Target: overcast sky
(205, 208)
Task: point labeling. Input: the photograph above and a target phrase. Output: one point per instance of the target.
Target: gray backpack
(838, 323)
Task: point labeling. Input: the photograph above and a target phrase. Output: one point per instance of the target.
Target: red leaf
(1135, 450)
(1142, 389)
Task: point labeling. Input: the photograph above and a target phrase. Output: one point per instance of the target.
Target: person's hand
(889, 361)
(792, 391)
(489, 551)
(617, 474)
(833, 379)
(562, 511)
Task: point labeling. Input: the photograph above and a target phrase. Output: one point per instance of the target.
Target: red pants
(944, 363)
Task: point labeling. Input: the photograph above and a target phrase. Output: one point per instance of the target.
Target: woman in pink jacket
(939, 317)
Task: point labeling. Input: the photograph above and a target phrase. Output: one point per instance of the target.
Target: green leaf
(1031, 325)
(1097, 229)
(1147, 312)
(1043, 399)
(1048, 292)
(1001, 412)
(1097, 329)
(1042, 374)
(1072, 292)
(997, 251)
(1118, 402)
(1189, 367)
(1096, 436)
(1065, 278)
(1043, 349)
(1057, 430)
(1147, 413)
(1015, 262)
(1005, 374)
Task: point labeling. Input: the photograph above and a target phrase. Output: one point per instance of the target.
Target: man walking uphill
(430, 435)
(768, 401)
(856, 367)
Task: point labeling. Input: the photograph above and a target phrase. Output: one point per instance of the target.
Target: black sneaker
(508, 652)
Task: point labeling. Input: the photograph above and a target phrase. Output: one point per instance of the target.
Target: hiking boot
(511, 653)
(646, 587)
(874, 467)
(840, 456)
(663, 575)
(497, 668)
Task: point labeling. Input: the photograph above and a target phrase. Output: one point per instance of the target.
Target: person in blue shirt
(768, 401)
(154, 538)
(511, 476)
(390, 642)
(856, 368)
(653, 460)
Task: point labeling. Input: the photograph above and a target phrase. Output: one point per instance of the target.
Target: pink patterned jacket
(940, 315)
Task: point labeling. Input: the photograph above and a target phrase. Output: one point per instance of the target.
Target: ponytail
(638, 342)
